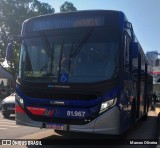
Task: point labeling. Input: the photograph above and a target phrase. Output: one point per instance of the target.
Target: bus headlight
(20, 100)
(108, 104)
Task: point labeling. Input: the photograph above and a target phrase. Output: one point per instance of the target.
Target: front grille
(62, 96)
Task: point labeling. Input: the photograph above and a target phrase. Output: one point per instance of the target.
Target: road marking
(9, 125)
(1, 128)
(7, 122)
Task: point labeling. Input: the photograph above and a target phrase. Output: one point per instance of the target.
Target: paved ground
(9, 129)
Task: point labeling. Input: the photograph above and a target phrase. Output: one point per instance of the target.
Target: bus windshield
(80, 55)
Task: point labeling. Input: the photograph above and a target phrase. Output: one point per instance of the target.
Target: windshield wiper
(45, 43)
(49, 50)
(81, 44)
(60, 61)
(74, 52)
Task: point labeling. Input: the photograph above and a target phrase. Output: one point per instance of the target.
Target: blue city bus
(82, 71)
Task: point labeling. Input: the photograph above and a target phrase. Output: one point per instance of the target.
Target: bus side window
(127, 41)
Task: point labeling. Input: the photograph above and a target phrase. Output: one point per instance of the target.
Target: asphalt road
(9, 129)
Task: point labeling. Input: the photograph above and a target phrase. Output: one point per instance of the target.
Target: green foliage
(67, 6)
(12, 15)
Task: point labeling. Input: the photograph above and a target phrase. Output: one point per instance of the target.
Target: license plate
(55, 126)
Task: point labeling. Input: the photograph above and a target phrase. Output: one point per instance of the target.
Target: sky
(143, 14)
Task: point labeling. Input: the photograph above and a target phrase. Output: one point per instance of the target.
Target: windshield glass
(70, 55)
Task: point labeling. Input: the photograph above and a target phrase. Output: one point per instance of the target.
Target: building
(155, 62)
(6, 77)
(152, 56)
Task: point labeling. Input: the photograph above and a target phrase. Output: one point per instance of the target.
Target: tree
(12, 15)
(67, 6)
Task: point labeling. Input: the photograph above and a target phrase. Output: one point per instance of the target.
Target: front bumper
(107, 123)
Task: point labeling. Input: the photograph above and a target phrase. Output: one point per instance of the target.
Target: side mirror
(134, 49)
(9, 52)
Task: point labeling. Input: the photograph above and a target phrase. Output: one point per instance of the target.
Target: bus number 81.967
(75, 113)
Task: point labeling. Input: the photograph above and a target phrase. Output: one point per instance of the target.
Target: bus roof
(86, 18)
(78, 13)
